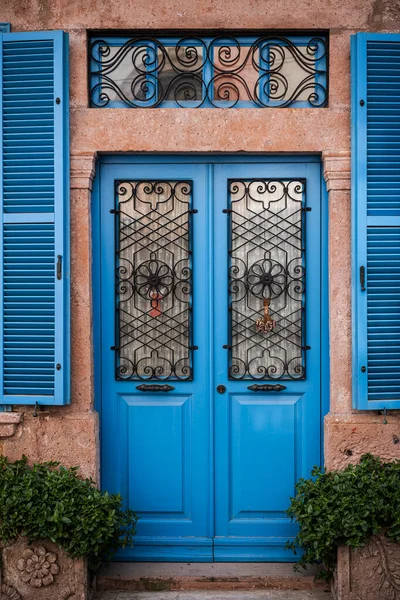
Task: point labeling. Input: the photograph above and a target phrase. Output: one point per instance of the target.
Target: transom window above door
(196, 71)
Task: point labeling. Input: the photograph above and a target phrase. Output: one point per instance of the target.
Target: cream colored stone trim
(337, 170)
(82, 171)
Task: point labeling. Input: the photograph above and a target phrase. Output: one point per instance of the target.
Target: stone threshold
(152, 577)
(218, 595)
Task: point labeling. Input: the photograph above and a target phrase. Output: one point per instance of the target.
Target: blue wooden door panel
(264, 441)
(165, 452)
(156, 446)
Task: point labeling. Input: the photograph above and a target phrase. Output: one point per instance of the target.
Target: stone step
(205, 576)
(218, 595)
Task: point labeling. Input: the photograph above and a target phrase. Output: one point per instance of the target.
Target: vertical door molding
(337, 175)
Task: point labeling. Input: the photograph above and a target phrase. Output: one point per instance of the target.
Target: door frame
(129, 158)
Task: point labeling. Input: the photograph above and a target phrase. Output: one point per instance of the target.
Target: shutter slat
(35, 173)
(383, 323)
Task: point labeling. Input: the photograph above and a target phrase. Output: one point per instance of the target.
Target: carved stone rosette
(42, 571)
(38, 567)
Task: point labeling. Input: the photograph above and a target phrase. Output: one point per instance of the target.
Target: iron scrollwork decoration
(195, 71)
(154, 280)
(267, 279)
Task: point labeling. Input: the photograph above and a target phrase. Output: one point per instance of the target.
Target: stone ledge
(9, 422)
(347, 440)
(206, 577)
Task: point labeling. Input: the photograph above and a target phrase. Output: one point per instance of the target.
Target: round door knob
(221, 389)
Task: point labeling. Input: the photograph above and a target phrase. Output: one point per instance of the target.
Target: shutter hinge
(362, 278)
(59, 266)
(307, 208)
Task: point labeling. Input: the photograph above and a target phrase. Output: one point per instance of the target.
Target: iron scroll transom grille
(197, 71)
(267, 279)
(153, 280)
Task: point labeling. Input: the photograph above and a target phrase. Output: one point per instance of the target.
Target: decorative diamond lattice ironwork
(195, 71)
(154, 280)
(267, 279)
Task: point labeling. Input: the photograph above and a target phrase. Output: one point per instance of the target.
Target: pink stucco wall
(70, 434)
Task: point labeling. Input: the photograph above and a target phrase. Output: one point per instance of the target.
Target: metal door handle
(266, 387)
(153, 387)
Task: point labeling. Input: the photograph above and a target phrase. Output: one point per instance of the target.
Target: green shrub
(346, 507)
(49, 501)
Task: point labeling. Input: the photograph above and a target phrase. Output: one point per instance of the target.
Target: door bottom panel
(168, 550)
(252, 550)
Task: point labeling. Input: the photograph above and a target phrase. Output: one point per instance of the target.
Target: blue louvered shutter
(34, 237)
(376, 220)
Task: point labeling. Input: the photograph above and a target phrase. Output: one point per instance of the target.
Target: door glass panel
(154, 280)
(266, 279)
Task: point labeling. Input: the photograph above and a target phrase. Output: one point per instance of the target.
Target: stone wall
(70, 434)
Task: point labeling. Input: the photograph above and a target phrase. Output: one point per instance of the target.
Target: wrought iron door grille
(153, 280)
(194, 71)
(267, 279)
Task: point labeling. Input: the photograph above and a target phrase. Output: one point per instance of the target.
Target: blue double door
(209, 348)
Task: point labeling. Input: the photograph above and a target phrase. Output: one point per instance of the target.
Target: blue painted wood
(156, 447)
(375, 220)
(264, 442)
(34, 149)
(5, 27)
(163, 452)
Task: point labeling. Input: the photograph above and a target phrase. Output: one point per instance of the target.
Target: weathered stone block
(42, 571)
(369, 573)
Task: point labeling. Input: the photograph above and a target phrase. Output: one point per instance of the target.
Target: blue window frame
(194, 71)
